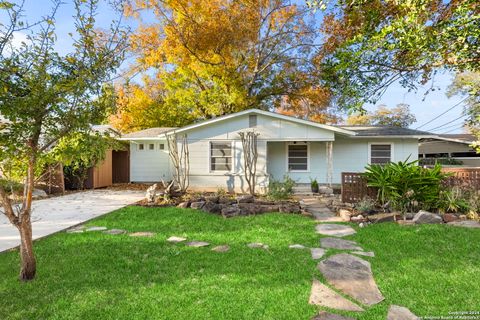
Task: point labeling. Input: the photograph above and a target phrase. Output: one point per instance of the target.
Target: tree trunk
(28, 261)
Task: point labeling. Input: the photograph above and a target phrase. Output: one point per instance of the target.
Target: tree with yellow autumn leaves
(204, 58)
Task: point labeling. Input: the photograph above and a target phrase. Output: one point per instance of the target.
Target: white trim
(287, 169)
(392, 149)
(265, 113)
(232, 148)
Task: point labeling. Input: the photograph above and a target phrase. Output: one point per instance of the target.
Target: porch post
(329, 153)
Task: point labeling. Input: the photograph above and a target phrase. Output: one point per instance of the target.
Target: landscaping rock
(230, 211)
(226, 201)
(296, 246)
(425, 217)
(325, 190)
(410, 215)
(96, 229)
(345, 214)
(197, 244)
(462, 217)
(321, 295)
(245, 199)
(151, 192)
(358, 218)
(115, 231)
(143, 234)
(384, 217)
(353, 276)
(341, 244)
(183, 205)
(257, 245)
(197, 205)
(175, 239)
(465, 224)
(213, 199)
(317, 253)
(324, 315)
(223, 248)
(289, 207)
(450, 217)
(211, 207)
(337, 230)
(400, 313)
(39, 193)
(364, 253)
(75, 230)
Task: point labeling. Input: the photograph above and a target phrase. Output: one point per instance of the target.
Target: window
(151, 146)
(298, 157)
(252, 120)
(220, 156)
(141, 146)
(380, 153)
(162, 146)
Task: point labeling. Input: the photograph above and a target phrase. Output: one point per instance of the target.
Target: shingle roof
(462, 137)
(370, 131)
(148, 133)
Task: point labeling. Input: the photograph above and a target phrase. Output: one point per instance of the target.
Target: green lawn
(430, 269)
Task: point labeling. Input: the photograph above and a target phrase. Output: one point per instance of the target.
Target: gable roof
(151, 133)
(268, 114)
(386, 131)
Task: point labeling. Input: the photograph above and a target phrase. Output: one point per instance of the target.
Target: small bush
(366, 205)
(280, 190)
(454, 200)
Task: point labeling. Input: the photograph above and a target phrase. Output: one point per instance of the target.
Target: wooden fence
(354, 185)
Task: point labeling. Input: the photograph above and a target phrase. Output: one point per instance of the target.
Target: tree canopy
(398, 116)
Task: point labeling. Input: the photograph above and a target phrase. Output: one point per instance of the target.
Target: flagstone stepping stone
(143, 234)
(115, 231)
(323, 315)
(75, 231)
(364, 253)
(296, 246)
(341, 244)
(353, 276)
(465, 224)
(223, 248)
(257, 245)
(321, 295)
(176, 239)
(400, 313)
(317, 253)
(337, 230)
(96, 229)
(197, 244)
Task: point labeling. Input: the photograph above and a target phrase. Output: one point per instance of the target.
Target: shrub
(453, 200)
(405, 185)
(366, 205)
(280, 190)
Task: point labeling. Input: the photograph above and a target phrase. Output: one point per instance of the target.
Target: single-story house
(301, 149)
(449, 149)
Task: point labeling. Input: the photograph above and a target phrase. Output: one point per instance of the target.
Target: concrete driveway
(59, 213)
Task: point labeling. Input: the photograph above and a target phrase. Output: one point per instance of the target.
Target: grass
(432, 270)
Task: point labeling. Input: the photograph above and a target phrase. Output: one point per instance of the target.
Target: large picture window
(380, 153)
(298, 157)
(220, 156)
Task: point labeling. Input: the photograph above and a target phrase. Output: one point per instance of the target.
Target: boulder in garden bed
(345, 214)
(245, 199)
(450, 217)
(230, 211)
(425, 217)
(197, 205)
(212, 207)
(213, 199)
(183, 205)
(385, 217)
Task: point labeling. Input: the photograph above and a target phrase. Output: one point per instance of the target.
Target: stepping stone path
(175, 239)
(197, 244)
(400, 313)
(223, 248)
(257, 245)
(353, 276)
(317, 253)
(323, 315)
(143, 234)
(96, 229)
(77, 229)
(115, 231)
(363, 253)
(296, 246)
(319, 210)
(336, 230)
(341, 244)
(321, 295)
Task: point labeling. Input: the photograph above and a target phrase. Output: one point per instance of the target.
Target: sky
(424, 107)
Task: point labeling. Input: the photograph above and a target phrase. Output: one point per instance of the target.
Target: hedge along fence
(354, 185)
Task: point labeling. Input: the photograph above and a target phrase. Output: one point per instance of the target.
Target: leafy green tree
(398, 116)
(46, 97)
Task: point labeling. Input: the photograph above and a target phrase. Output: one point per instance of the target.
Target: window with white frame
(162, 146)
(141, 146)
(297, 157)
(380, 153)
(220, 156)
(151, 146)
